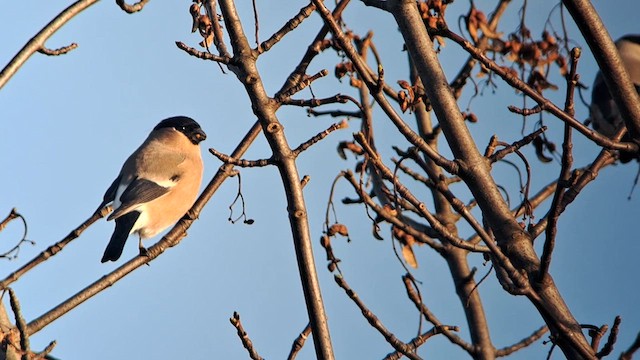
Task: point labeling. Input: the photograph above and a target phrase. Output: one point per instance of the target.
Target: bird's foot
(144, 251)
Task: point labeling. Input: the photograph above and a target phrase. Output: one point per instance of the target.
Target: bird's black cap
(186, 125)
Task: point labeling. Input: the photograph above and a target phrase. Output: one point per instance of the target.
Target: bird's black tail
(123, 227)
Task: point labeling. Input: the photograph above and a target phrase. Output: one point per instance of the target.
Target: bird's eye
(181, 128)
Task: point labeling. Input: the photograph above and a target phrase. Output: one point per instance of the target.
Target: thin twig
(302, 84)
(47, 350)
(293, 23)
(499, 155)
(60, 51)
(339, 98)
(130, 9)
(37, 42)
(13, 214)
(405, 349)
(506, 351)
(21, 325)
(298, 343)
(15, 250)
(425, 235)
(628, 354)
(202, 54)
(416, 342)
(307, 144)
(312, 51)
(565, 171)
(430, 317)
(246, 341)
(241, 162)
(54, 249)
(549, 106)
(336, 113)
(613, 337)
(218, 36)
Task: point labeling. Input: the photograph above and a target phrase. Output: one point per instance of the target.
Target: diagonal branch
(406, 350)
(544, 103)
(522, 343)
(54, 249)
(244, 337)
(293, 23)
(37, 42)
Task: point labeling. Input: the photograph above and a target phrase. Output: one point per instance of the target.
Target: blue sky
(70, 122)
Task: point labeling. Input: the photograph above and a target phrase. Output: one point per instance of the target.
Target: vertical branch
(456, 258)
(218, 37)
(265, 109)
(475, 171)
(604, 51)
(20, 324)
(565, 171)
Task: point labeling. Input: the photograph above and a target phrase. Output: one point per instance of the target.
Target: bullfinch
(603, 112)
(157, 184)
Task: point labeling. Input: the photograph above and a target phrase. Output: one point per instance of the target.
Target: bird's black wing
(110, 194)
(140, 191)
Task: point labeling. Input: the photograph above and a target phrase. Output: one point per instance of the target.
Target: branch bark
(475, 170)
(604, 50)
(265, 108)
(37, 42)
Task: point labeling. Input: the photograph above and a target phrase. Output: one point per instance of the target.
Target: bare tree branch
(37, 42)
(130, 9)
(545, 104)
(244, 337)
(628, 354)
(604, 50)
(293, 23)
(406, 350)
(54, 249)
(264, 109)
(522, 343)
(60, 51)
(298, 343)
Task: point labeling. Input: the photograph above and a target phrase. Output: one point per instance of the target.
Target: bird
(157, 184)
(603, 111)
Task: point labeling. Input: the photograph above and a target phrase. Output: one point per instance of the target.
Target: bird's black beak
(197, 136)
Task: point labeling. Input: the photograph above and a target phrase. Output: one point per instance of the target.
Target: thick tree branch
(604, 50)
(265, 110)
(475, 171)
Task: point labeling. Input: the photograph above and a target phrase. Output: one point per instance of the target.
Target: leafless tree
(425, 111)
